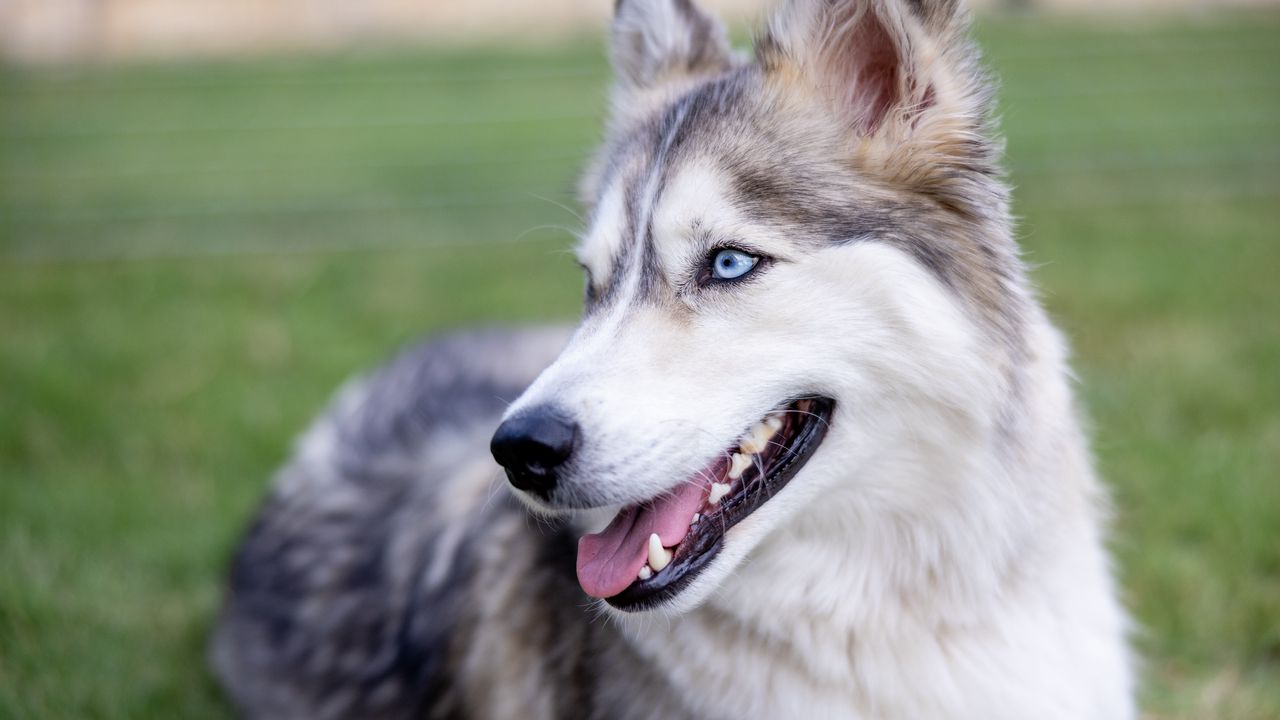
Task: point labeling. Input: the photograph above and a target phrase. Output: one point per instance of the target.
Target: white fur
(916, 567)
(927, 562)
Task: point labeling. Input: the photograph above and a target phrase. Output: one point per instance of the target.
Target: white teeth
(658, 555)
(738, 464)
(759, 439)
(774, 422)
(645, 573)
(718, 491)
(696, 518)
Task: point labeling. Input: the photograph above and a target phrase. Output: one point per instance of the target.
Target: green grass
(192, 257)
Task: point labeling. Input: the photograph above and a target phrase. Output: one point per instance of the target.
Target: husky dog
(811, 453)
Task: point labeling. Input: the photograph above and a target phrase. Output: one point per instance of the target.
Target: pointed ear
(658, 41)
(901, 75)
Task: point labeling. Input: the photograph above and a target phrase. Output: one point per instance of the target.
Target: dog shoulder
(361, 566)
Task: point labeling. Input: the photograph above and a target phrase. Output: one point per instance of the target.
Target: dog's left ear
(901, 76)
(655, 42)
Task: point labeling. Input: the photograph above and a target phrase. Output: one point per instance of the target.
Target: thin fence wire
(320, 207)
(82, 253)
(291, 125)
(574, 155)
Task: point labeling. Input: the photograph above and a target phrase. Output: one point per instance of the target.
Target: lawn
(193, 256)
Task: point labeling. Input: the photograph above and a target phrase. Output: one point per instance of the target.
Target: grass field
(192, 257)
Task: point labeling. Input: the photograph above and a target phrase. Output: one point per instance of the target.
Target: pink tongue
(609, 560)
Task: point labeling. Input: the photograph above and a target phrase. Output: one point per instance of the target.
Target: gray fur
(389, 575)
(341, 602)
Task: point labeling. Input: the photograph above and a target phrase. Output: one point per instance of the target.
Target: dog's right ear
(654, 42)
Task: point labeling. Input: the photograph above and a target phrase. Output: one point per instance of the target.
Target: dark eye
(730, 264)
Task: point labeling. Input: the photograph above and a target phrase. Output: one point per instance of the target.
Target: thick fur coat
(941, 553)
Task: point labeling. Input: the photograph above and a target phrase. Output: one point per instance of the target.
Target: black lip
(704, 541)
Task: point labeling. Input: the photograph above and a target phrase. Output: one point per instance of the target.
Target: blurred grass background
(193, 256)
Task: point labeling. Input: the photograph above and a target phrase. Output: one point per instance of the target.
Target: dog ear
(900, 74)
(872, 59)
(653, 42)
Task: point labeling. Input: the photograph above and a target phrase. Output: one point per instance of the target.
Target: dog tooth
(718, 491)
(759, 439)
(696, 518)
(774, 422)
(765, 431)
(658, 555)
(645, 573)
(738, 464)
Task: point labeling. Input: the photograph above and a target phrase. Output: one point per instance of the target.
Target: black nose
(532, 445)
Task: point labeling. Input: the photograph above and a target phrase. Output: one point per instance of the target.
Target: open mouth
(653, 550)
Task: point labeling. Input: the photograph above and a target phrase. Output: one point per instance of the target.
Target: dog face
(796, 265)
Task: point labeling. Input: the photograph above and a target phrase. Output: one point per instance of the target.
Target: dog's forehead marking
(624, 253)
(694, 201)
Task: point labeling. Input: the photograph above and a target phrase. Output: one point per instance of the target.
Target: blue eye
(732, 264)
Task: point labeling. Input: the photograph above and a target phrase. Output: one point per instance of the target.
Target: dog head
(799, 273)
